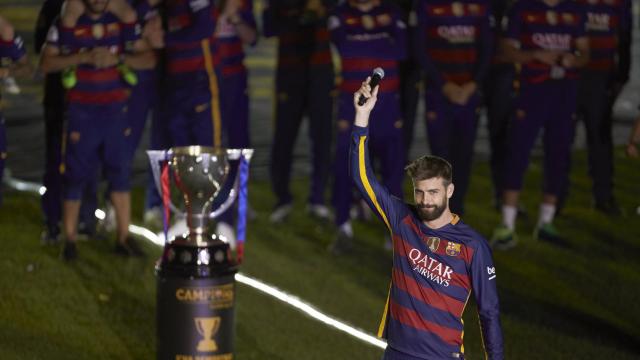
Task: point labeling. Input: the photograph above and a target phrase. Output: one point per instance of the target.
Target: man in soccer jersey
(96, 130)
(548, 39)
(438, 260)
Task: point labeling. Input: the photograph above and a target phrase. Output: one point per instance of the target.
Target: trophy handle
(232, 154)
(156, 157)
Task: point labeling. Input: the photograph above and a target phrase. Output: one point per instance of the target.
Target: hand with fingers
(371, 96)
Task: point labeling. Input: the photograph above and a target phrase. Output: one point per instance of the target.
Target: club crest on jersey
(453, 249)
(97, 30)
(433, 243)
(457, 9)
(552, 17)
(474, 9)
(384, 19)
(368, 22)
(568, 18)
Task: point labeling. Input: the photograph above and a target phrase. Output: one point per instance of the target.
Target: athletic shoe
(153, 218)
(503, 238)
(51, 235)
(69, 251)
(10, 85)
(280, 213)
(549, 233)
(319, 211)
(343, 242)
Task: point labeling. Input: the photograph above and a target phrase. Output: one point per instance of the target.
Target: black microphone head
(378, 71)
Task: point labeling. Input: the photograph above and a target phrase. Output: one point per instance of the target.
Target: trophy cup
(196, 270)
(207, 327)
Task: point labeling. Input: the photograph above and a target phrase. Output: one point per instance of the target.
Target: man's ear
(450, 189)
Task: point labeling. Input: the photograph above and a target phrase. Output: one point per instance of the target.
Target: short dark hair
(428, 167)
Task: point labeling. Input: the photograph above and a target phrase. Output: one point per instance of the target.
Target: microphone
(376, 76)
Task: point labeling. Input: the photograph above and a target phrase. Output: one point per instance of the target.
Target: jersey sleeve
(12, 50)
(201, 26)
(483, 279)
(387, 207)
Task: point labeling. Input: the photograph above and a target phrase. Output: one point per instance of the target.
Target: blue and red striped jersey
(434, 273)
(11, 51)
(303, 37)
(454, 40)
(606, 20)
(366, 40)
(230, 45)
(94, 86)
(190, 41)
(537, 26)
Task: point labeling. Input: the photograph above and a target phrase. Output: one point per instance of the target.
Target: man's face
(96, 6)
(431, 197)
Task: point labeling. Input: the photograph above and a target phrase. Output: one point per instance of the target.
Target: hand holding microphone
(365, 98)
(374, 79)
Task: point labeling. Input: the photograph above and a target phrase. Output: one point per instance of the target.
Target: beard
(432, 212)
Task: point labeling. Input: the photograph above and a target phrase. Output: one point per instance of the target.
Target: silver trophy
(196, 272)
(199, 173)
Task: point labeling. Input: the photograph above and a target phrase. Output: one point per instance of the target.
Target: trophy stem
(198, 225)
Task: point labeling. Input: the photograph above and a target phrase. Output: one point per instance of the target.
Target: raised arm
(389, 208)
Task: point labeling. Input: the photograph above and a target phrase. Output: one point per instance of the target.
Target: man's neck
(443, 220)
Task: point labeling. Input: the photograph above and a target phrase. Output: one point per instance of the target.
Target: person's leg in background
(320, 135)
(291, 101)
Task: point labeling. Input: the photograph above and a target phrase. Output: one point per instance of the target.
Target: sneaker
(51, 235)
(343, 243)
(280, 213)
(226, 233)
(69, 78)
(10, 86)
(69, 251)
(503, 238)
(549, 233)
(128, 75)
(153, 218)
(109, 221)
(319, 211)
(609, 207)
(129, 248)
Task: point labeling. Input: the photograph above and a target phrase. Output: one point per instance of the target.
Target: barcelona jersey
(434, 273)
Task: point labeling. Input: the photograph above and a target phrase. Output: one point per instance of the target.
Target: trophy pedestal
(196, 301)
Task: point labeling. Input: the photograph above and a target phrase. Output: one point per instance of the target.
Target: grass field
(574, 303)
(579, 302)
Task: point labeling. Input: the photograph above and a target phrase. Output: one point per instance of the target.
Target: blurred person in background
(304, 82)
(367, 34)
(236, 28)
(601, 81)
(454, 46)
(547, 38)
(13, 60)
(97, 127)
